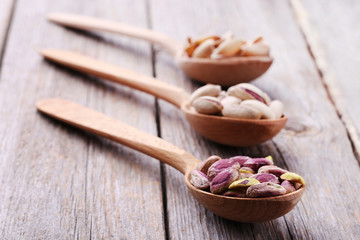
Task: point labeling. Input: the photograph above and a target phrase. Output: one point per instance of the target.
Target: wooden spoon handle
(100, 124)
(117, 74)
(90, 23)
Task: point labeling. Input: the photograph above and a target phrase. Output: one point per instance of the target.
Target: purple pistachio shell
(266, 177)
(240, 159)
(272, 169)
(199, 179)
(266, 189)
(288, 186)
(223, 180)
(219, 166)
(256, 163)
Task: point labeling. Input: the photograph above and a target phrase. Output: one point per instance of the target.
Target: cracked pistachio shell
(265, 110)
(244, 183)
(272, 169)
(210, 90)
(277, 108)
(266, 189)
(223, 180)
(256, 163)
(219, 166)
(255, 49)
(205, 49)
(194, 44)
(199, 179)
(293, 177)
(207, 105)
(230, 100)
(240, 111)
(266, 177)
(228, 48)
(204, 166)
(246, 91)
(288, 186)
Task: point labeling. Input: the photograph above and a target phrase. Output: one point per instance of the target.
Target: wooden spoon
(237, 209)
(224, 130)
(225, 72)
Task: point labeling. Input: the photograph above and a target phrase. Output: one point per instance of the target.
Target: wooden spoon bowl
(223, 130)
(237, 209)
(225, 72)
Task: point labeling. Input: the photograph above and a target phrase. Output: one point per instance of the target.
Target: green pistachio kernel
(245, 182)
(293, 177)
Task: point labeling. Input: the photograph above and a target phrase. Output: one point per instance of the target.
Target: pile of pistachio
(242, 176)
(225, 46)
(243, 100)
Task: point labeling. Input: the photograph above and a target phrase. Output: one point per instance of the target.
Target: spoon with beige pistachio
(237, 209)
(225, 72)
(224, 130)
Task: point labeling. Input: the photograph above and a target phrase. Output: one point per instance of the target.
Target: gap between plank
(158, 128)
(7, 31)
(316, 52)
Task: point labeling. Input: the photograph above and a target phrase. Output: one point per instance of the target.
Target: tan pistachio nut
(227, 35)
(256, 48)
(194, 44)
(265, 189)
(222, 95)
(230, 100)
(207, 105)
(210, 90)
(228, 48)
(246, 91)
(293, 177)
(199, 180)
(222, 181)
(240, 111)
(204, 166)
(265, 111)
(277, 108)
(205, 49)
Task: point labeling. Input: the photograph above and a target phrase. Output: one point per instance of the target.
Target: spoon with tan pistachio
(237, 209)
(225, 72)
(220, 129)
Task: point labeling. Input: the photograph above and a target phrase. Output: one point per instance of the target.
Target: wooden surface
(60, 183)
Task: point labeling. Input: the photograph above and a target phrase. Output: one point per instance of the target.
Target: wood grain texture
(333, 34)
(314, 142)
(57, 182)
(6, 10)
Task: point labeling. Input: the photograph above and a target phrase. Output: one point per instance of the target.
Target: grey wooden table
(60, 183)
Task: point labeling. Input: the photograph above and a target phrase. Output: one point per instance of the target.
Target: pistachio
(270, 158)
(199, 180)
(204, 166)
(194, 44)
(207, 105)
(246, 172)
(255, 49)
(210, 90)
(266, 189)
(265, 111)
(246, 91)
(222, 95)
(266, 177)
(244, 183)
(256, 163)
(288, 186)
(272, 169)
(227, 35)
(205, 49)
(230, 100)
(293, 177)
(277, 108)
(240, 159)
(259, 39)
(229, 47)
(236, 192)
(240, 111)
(219, 166)
(222, 181)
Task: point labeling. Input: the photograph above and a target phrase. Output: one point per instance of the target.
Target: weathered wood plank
(332, 31)
(57, 182)
(5, 18)
(314, 142)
